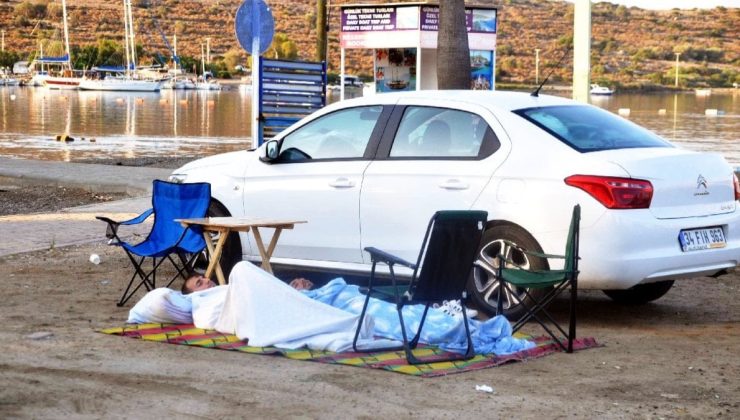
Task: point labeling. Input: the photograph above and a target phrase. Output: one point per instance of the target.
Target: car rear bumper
(625, 248)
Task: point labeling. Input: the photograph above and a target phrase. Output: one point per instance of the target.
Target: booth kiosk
(403, 37)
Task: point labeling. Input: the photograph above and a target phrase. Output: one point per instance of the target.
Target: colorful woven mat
(393, 361)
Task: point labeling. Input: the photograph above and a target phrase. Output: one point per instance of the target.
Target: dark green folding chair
(441, 272)
(510, 276)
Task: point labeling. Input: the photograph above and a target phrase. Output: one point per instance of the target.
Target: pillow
(162, 305)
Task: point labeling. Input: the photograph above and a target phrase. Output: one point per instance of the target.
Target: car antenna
(536, 92)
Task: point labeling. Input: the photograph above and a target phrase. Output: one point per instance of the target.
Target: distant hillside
(631, 47)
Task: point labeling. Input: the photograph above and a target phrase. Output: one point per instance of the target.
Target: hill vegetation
(631, 47)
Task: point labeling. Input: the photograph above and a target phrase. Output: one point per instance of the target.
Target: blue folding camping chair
(169, 202)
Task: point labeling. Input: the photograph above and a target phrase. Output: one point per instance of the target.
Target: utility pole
(322, 29)
(581, 50)
(537, 66)
(677, 55)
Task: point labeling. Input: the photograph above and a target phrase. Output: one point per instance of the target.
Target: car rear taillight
(737, 186)
(615, 193)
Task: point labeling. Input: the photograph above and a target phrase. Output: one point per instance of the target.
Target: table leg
(265, 254)
(215, 255)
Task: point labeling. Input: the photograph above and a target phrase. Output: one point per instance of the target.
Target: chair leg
(573, 299)
(413, 360)
(470, 352)
(499, 276)
(539, 307)
(415, 341)
(362, 318)
(182, 270)
(145, 279)
(137, 272)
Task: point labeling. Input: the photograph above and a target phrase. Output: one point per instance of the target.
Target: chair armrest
(112, 231)
(528, 252)
(384, 257)
(136, 220)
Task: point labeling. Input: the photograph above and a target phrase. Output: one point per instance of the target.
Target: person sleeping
(264, 310)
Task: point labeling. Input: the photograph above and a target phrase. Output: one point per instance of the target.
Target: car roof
(503, 100)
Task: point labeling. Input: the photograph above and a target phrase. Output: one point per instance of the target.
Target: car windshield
(591, 129)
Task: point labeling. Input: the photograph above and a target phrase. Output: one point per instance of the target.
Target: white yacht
(120, 83)
(127, 79)
(600, 90)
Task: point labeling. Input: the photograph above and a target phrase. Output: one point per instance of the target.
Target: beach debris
(95, 259)
(40, 335)
(65, 138)
(484, 388)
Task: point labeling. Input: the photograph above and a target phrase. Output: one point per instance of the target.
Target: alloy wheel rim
(487, 285)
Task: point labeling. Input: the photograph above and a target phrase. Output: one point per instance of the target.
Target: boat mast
(66, 34)
(130, 41)
(203, 62)
(131, 32)
(125, 37)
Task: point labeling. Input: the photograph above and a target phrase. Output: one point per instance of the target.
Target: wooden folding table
(225, 225)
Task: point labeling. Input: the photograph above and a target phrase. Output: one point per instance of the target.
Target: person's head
(195, 283)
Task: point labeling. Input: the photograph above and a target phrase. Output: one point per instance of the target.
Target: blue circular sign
(254, 20)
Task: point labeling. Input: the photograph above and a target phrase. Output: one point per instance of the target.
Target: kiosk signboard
(404, 40)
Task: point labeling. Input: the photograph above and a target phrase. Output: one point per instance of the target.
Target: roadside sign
(254, 22)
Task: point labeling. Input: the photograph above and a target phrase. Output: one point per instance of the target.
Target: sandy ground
(675, 358)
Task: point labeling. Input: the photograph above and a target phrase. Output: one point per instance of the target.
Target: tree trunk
(321, 30)
(453, 53)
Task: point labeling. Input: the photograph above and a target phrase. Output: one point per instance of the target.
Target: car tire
(483, 288)
(232, 250)
(641, 293)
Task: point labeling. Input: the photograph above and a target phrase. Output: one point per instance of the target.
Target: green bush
(31, 10)
(8, 58)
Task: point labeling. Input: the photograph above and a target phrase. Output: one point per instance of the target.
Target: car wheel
(484, 287)
(641, 293)
(232, 250)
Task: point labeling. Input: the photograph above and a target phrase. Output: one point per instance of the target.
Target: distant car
(371, 171)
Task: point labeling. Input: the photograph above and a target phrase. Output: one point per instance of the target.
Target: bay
(188, 123)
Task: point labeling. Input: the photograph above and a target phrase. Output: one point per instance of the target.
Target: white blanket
(268, 312)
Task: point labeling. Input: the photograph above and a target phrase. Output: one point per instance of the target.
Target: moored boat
(126, 79)
(600, 90)
(120, 83)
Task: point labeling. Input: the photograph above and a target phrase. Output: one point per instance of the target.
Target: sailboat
(178, 78)
(66, 80)
(127, 80)
(206, 81)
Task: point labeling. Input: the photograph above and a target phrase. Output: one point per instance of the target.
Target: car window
(441, 132)
(341, 134)
(590, 129)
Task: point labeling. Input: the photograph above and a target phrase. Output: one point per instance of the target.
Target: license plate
(704, 238)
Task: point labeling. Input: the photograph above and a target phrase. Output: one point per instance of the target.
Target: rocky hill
(631, 46)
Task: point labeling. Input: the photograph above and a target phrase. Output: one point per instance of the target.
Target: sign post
(254, 27)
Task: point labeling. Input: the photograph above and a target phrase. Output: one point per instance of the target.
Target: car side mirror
(272, 150)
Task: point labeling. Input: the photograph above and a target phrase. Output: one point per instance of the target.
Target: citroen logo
(701, 186)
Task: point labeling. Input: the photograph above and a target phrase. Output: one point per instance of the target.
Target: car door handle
(454, 184)
(342, 183)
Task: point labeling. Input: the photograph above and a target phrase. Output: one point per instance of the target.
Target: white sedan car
(372, 171)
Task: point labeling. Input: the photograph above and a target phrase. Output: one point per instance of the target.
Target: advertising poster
(395, 69)
(481, 70)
